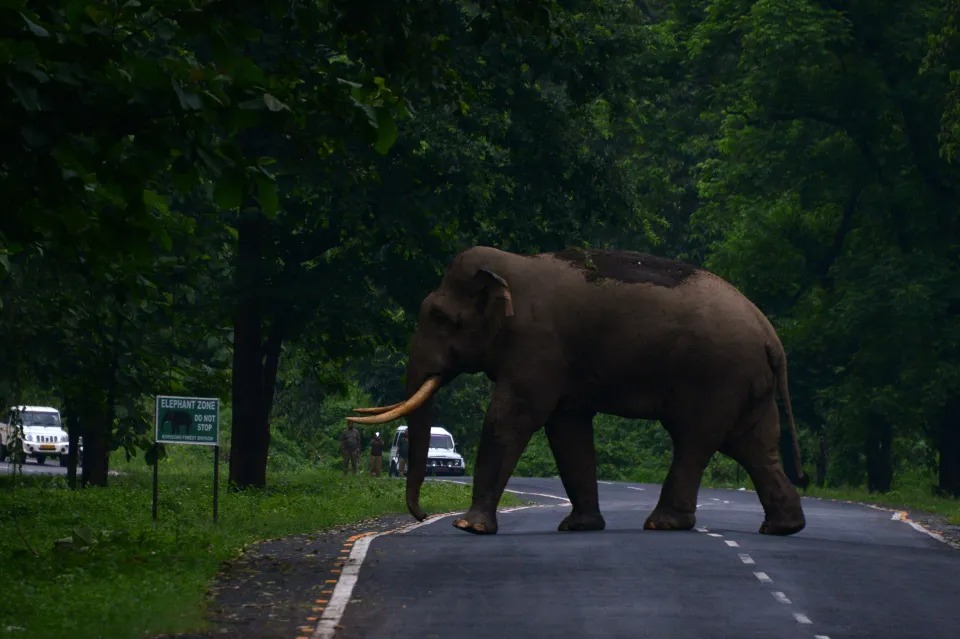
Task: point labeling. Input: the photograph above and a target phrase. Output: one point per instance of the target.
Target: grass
(908, 496)
(92, 563)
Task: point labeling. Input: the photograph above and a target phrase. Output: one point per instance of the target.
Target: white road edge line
(522, 492)
(801, 618)
(518, 492)
(901, 515)
(781, 597)
(763, 577)
(820, 637)
(337, 605)
(714, 535)
(635, 488)
(731, 543)
(745, 558)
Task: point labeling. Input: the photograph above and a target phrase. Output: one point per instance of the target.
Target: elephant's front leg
(507, 428)
(571, 440)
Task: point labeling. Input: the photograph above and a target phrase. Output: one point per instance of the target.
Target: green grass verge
(905, 497)
(92, 563)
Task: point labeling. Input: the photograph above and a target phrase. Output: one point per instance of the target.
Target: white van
(43, 434)
(442, 457)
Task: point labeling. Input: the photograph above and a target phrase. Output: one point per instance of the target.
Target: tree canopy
(250, 201)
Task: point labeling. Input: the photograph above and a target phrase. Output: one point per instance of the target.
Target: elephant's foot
(661, 519)
(477, 523)
(782, 528)
(582, 521)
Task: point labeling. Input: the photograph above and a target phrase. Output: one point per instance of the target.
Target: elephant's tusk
(376, 410)
(417, 400)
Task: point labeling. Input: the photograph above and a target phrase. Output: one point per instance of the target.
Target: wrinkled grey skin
(566, 336)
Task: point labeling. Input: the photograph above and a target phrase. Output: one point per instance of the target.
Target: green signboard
(188, 420)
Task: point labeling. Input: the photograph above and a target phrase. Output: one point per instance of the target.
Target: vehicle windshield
(441, 441)
(33, 418)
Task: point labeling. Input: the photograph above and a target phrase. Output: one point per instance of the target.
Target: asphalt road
(50, 467)
(853, 572)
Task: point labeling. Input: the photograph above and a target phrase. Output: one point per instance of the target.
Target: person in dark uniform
(376, 455)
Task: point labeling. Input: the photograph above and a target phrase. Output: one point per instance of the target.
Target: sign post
(189, 420)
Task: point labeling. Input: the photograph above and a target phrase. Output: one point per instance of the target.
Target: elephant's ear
(491, 280)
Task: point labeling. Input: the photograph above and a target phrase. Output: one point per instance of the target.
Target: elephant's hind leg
(757, 451)
(571, 440)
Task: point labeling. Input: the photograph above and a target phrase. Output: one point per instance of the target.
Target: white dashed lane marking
(764, 578)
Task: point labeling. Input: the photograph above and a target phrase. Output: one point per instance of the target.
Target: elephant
(566, 335)
(176, 419)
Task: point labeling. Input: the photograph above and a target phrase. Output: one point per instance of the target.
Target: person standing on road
(403, 451)
(350, 448)
(376, 455)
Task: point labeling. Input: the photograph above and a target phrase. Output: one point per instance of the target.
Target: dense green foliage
(250, 203)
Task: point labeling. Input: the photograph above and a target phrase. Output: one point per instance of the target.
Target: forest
(249, 201)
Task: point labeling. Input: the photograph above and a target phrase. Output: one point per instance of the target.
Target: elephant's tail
(778, 362)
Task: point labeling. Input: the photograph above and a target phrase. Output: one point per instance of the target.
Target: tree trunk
(949, 449)
(879, 444)
(821, 462)
(95, 423)
(73, 433)
(250, 438)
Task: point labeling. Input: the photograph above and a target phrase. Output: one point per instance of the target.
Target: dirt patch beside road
(270, 590)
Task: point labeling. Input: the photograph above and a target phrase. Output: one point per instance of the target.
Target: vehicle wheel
(63, 460)
(393, 470)
(40, 459)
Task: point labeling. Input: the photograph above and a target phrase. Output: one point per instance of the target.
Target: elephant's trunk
(418, 432)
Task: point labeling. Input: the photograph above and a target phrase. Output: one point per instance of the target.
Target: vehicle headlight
(28, 438)
(64, 438)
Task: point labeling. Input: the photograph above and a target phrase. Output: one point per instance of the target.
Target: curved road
(853, 572)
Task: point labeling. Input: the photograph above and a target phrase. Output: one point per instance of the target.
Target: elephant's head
(457, 331)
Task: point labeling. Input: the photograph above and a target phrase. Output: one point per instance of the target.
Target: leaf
(155, 201)
(189, 100)
(35, 28)
(256, 104)
(228, 191)
(154, 454)
(268, 196)
(83, 535)
(165, 240)
(274, 104)
(386, 132)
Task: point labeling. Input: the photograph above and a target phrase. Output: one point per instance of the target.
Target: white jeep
(442, 458)
(43, 434)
